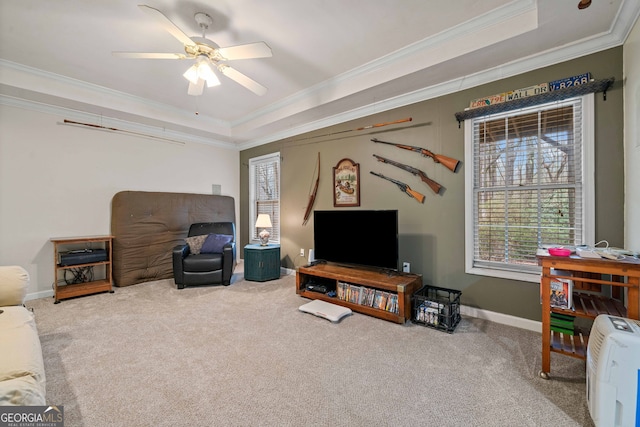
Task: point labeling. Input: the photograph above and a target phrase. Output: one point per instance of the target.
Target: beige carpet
(244, 355)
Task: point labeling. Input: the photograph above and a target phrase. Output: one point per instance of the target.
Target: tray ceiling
(332, 61)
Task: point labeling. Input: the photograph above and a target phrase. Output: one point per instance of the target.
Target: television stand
(359, 283)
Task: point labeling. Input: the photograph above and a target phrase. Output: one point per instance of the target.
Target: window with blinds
(527, 185)
(264, 193)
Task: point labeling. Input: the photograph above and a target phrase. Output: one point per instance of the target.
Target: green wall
(432, 234)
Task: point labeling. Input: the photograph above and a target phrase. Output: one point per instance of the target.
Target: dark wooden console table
(401, 284)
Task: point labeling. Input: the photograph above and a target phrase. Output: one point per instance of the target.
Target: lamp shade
(263, 220)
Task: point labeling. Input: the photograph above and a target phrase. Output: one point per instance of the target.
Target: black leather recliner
(205, 268)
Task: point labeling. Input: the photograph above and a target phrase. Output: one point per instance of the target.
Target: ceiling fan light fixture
(201, 72)
(192, 74)
(206, 73)
(196, 89)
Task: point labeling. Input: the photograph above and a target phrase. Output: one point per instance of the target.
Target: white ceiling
(333, 60)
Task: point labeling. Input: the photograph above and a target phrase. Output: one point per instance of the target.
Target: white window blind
(264, 189)
(528, 186)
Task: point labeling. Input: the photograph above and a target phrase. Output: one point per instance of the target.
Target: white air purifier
(613, 372)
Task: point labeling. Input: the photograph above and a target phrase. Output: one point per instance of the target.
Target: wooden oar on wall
(377, 125)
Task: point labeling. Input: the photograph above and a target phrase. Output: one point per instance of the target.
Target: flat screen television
(362, 237)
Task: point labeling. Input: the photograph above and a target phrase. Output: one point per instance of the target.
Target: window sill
(505, 274)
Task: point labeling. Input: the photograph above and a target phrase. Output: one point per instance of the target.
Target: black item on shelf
(73, 276)
(437, 308)
(82, 256)
(314, 287)
(321, 285)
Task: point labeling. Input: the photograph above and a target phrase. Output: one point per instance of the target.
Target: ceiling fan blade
(167, 24)
(246, 51)
(196, 89)
(149, 55)
(240, 78)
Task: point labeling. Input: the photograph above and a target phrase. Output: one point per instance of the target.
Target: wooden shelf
(80, 289)
(402, 284)
(89, 264)
(570, 345)
(554, 95)
(85, 288)
(591, 274)
(591, 305)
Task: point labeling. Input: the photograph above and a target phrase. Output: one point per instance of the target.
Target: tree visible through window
(527, 184)
(264, 193)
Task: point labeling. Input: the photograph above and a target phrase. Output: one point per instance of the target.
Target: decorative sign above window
(570, 81)
(570, 90)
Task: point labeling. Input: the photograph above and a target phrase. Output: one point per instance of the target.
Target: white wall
(58, 180)
(631, 71)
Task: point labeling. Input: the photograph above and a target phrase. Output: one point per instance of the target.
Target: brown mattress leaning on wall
(147, 225)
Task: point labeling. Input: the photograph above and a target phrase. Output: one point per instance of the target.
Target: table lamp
(264, 222)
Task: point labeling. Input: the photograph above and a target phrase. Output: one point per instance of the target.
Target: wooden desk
(589, 274)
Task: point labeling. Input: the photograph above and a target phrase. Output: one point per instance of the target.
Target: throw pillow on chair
(214, 243)
(195, 243)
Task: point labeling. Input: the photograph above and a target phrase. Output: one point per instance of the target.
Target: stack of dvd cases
(437, 308)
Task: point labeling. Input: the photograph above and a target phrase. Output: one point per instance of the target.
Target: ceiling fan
(207, 55)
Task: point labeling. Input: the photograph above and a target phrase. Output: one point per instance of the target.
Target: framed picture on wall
(346, 184)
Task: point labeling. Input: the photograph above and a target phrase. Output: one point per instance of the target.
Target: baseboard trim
(505, 319)
(287, 271)
(38, 295)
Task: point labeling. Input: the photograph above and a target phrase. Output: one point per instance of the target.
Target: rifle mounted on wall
(423, 176)
(447, 162)
(404, 187)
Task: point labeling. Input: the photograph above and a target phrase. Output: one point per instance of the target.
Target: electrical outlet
(301, 251)
(406, 267)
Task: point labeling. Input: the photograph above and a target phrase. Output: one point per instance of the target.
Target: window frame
(253, 214)
(588, 187)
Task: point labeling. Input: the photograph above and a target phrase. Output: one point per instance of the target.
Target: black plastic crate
(437, 308)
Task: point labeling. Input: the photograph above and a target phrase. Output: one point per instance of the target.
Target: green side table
(261, 263)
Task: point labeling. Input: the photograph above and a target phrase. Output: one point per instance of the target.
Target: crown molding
(512, 19)
(455, 85)
(615, 37)
(624, 21)
(353, 82)
(33, 79)
(147, 131)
